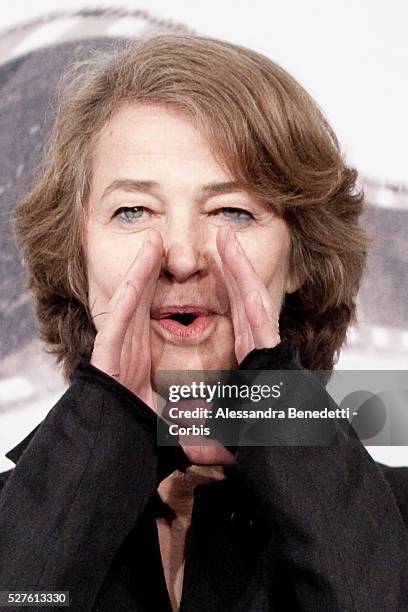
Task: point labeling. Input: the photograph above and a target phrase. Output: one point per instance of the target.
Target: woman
(194, 212)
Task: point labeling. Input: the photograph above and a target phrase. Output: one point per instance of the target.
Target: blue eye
(129, 214)
(238, 215)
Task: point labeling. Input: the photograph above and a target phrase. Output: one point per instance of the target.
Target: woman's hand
(122, 345)
(255, 317)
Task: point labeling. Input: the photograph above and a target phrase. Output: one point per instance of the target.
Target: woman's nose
(185, 250)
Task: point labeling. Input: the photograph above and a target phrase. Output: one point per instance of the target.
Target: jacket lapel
(14, 453)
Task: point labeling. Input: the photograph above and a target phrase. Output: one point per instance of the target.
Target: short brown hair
(263, 128)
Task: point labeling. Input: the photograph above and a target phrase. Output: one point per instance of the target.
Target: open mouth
(185, 318)
(183, 321)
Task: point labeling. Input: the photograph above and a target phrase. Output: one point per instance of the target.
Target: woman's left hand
(255, 317)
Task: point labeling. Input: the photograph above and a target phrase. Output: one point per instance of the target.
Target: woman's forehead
(151, 144)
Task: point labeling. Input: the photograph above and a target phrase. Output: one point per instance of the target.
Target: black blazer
(290, 528)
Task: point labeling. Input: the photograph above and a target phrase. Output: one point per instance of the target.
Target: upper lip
(165, 311)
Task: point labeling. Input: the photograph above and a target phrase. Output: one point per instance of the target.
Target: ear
(293, 282)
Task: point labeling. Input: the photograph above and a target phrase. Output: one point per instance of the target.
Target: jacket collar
(14, 453)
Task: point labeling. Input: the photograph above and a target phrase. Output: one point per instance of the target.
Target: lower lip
(198, 329)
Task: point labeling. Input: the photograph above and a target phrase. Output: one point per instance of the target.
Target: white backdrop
(351, 55)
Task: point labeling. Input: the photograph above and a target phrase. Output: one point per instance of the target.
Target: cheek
(108, 262)
(269, 256)
(104, 274)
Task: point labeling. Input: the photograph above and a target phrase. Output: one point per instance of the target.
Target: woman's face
(153, 169)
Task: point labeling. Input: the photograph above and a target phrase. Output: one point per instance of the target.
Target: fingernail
(145, 243)
(147, 238)
(258, 298)
(123, 291)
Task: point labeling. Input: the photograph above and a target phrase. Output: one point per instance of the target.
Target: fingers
(139, 331)
(244, 272)
(262, 327)
(237, 307)
(135, 364)
(242, 332)
(109, 340)
(145, 264)
(130, 305)
(250, 294)
(208, 453)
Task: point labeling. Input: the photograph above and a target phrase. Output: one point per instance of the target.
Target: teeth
(157, 313)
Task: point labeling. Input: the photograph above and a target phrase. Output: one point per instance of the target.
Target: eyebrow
(152, 187)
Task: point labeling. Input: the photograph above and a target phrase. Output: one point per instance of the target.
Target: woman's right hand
(122, 345)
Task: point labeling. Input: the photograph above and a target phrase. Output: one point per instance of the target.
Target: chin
(191, 358)
(218, 355)
(211, 350)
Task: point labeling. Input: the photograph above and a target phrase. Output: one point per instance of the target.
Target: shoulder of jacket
(397, 478)
(3, 477)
